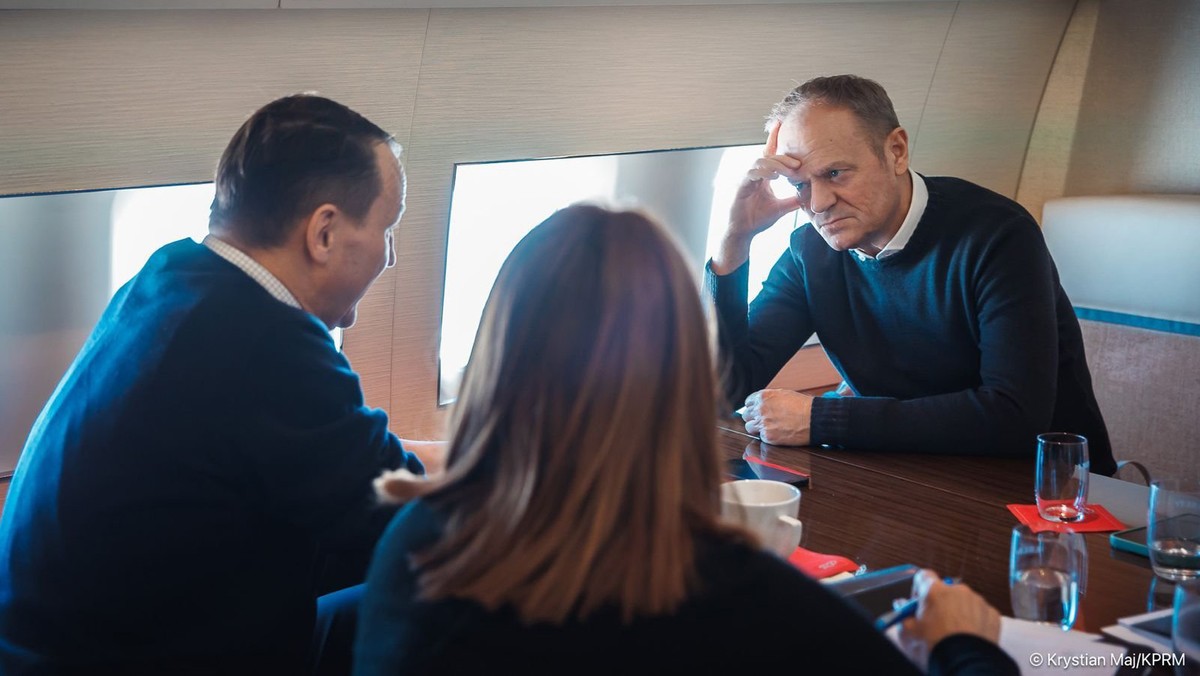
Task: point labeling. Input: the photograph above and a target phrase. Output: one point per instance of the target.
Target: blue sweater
(173, 498)
(751, 613)
(964, 342)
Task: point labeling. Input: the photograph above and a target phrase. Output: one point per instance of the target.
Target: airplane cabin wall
(1119, 112)
(1139, 119)
(125, 98)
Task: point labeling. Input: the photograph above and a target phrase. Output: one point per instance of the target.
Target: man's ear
(895, 151)
(319, 232)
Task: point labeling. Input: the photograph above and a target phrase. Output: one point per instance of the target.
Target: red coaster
(1097, 520)
(821, 565)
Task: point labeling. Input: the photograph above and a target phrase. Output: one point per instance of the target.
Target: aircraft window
(493, 205)
(144, 219)
(769, 245)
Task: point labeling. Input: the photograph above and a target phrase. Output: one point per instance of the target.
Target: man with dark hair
(935, 298)
(209, 450)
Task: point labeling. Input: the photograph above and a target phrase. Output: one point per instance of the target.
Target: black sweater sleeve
(310, 441)
(780, 318)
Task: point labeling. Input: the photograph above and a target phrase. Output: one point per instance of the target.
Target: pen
(897, 615)
(905, 611)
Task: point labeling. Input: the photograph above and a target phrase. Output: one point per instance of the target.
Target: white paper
(1040, 649)
(1127, 629)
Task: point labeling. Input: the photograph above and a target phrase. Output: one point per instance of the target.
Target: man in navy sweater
(209, 450)
(935, 298)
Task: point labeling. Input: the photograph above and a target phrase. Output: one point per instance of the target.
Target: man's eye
(800, 187)
(834, 173)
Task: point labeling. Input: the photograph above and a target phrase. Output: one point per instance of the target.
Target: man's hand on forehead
(771, 168)
(773, 165)
(772, 146)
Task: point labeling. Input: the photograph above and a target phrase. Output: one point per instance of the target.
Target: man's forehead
(822, 133)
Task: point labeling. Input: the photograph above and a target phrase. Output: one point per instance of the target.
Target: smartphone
(1133, 540)
(750, 467)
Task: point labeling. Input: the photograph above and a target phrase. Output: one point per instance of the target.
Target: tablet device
(1133, 540)
(875, 591)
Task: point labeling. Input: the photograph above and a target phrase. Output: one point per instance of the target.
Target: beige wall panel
(139, 4)
(503, 84)
(1139, 129)
(114, 99)
(104, 99)
(1044, 175)
(368, 344)
(985, 96)
(446, 4)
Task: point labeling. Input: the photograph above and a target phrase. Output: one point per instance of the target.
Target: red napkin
(1097, 520)
(821, 565)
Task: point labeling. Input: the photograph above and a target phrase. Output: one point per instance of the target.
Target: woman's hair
(582, 461)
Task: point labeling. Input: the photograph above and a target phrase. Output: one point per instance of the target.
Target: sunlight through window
(145, 219)
(768, 246)
(495, 204)
(493, 207)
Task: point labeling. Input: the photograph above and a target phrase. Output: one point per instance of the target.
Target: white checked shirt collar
(253, 268)
(916, 209)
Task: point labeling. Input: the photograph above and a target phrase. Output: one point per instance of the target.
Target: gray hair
(866, 98)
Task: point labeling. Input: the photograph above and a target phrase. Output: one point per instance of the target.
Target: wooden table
(947, 513)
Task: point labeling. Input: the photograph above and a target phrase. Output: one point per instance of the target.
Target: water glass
(1062, 477)
(1185, 626)
(1174, 533)
(1045, 574)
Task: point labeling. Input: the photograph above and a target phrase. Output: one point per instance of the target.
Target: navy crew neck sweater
(963, 342)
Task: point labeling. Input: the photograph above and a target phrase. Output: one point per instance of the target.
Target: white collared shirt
(916, 209)
(253, 268)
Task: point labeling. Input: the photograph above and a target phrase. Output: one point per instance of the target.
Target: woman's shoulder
(415, 526)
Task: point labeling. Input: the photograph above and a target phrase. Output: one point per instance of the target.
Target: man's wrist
(732, 254)
(829, 420)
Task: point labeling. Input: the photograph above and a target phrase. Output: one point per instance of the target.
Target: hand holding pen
(905, 610)
(940, 610)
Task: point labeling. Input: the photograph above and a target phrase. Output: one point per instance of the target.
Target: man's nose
(391, 247)
(820, 199)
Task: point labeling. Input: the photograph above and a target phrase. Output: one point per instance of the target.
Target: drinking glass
(1185, 626)
(1062, 476)
(1160, 595)
(1174, 533)
(1045, 572)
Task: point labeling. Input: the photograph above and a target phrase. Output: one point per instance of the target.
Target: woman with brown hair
(576, 528)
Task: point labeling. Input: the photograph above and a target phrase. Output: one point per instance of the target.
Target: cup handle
(790, 530)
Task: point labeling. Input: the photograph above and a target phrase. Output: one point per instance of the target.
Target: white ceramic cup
(769, 508)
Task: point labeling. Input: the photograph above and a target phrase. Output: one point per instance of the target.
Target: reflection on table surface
(947, 513)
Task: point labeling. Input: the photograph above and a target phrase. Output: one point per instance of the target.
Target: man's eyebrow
(830, 166)
(808, 172)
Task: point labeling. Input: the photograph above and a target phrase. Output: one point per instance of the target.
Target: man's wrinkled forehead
(816, 129)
